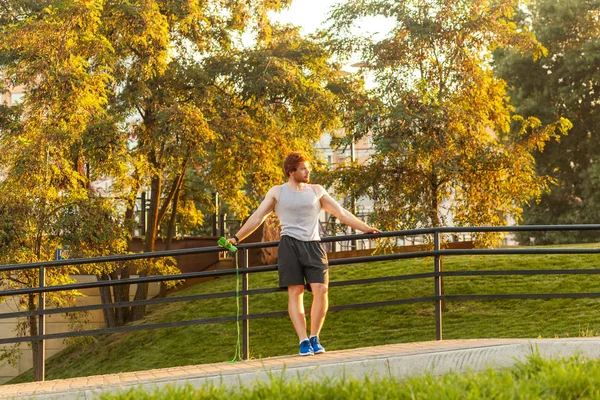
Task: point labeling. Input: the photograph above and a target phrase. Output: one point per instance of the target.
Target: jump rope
(238, 347)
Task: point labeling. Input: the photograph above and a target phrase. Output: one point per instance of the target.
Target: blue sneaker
(317, 348)
(306, 349)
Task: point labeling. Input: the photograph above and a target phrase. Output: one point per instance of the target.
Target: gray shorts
(301, 262)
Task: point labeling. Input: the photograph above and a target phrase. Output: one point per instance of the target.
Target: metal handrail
(407, 232)
(438, 297)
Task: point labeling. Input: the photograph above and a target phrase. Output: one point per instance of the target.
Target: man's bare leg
(296, 310)
(319, 307)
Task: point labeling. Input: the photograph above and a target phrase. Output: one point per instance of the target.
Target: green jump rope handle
(222, 242)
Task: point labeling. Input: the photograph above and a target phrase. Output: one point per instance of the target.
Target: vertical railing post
(41, 364)
(245, 307)
(437, 266)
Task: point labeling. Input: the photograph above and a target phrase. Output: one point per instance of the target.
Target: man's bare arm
(258, 217)
(333, 207)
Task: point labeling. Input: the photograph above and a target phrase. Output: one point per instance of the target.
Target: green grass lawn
(573, 378)
(162, 348)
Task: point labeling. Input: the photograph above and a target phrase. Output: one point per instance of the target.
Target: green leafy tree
(153, 93)
(448, 147)
(564, 83)
(60, 59)
(217, 109)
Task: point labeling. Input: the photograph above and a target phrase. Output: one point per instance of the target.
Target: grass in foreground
(573, 378)
(353, 328)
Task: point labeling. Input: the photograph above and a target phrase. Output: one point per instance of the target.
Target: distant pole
(222, 225)
(215, 219)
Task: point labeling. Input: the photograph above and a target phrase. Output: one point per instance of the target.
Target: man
(301, 256)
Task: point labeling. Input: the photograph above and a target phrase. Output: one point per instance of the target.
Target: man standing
(301, 256)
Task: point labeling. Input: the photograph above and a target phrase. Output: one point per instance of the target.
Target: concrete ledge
(398, 360)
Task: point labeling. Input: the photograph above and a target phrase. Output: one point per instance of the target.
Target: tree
(60, 59)
(448, 147)
(152, 93)
(566, 82)
(213, 106)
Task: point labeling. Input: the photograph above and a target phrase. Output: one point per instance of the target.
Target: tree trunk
(116, 316)
(171, 232)
(138, 312)
(121, 294)
(107, 298)
(33, 329)
(173, 218)
(173, 193)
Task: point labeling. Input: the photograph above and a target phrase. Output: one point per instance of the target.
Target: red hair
(291, 162)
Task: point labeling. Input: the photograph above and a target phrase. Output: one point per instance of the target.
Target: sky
(310, 14)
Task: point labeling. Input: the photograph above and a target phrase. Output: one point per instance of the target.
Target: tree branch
(176, 185)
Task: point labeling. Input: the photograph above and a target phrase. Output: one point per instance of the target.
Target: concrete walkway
(397, 360)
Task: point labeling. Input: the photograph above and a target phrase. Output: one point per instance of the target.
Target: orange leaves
(445, 148)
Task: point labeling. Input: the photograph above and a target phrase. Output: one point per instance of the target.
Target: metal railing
(437, 275)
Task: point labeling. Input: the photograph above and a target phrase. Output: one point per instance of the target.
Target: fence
(437, 295)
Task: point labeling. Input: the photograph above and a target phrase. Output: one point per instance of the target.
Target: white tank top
(298, 213)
